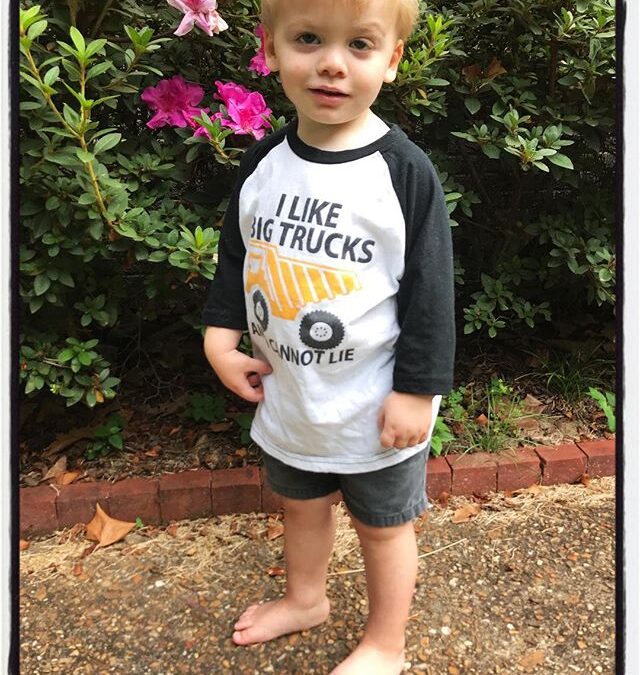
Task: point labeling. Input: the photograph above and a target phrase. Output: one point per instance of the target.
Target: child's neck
(336, 137)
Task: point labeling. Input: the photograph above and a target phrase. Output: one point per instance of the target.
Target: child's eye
(307, 39)
(360, 45)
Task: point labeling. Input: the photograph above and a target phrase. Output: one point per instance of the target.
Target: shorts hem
(299, 494)
(389, 520)
(319, 464)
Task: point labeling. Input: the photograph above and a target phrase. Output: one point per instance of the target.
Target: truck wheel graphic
(261, 309)
(321, 330)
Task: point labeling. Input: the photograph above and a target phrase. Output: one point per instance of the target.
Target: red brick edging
(200, 493)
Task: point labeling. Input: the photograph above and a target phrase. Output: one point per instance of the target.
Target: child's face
(332, 58)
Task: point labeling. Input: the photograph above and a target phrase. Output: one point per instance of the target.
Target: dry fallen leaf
(57, 469)
(585, 479)
(221, 426)
(67, 477)
(495, 533)
(153, 452)
(172, 530)
(65, 440)
(532, 404)
(276, 571)
(241, 452)
(534, 489)
(527, 423)
(465, 513)
(24, 544)
(457, 428)
(495, 68)
(90, 549)
(175, 430)
(443, 499)
(274, 530)
(106, 530)
(482, 420)
(532, 659)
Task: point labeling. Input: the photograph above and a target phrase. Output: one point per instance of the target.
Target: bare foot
(369, 660)
(269, 620)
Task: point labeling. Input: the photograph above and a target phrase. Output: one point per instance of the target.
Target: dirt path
(526, 585)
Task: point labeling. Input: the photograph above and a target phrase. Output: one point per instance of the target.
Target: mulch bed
(159, 438)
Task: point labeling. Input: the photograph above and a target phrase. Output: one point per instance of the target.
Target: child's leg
(391, 563)
(309, 532)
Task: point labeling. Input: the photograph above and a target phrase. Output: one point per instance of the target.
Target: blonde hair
(407, 14)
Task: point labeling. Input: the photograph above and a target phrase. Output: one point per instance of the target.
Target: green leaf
(561, 160)
(51, 75)
(87, 198)
(95, 46)
(64, 160)
(472, 104)
(41, 284)
(65, 355)
(436, 82)
(36, 29)
(106, 143)
(78, 40)
(71, 116)
(99, 69)
(605, 275)
(84, 156)
(31, 105)
(85, 358)
(491, 151)
(91, 398)
(116, 441)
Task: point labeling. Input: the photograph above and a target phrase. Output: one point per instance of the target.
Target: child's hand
(236, 370)
(404, 420)
(242, 374)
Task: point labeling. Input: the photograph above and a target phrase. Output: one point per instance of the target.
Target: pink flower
(200, 12)
(229, 91)
(202, 131)
(259, 63)
(246, 110)
(174, 101)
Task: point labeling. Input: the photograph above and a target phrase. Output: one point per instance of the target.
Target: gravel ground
(527, 585)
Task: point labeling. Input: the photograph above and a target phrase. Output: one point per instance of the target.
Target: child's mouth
(327, 92)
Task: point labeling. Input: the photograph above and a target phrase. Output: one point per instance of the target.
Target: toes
(244, 637)
(239, 638)
(246, 618)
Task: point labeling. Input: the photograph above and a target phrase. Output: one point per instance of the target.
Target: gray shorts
(382, 498)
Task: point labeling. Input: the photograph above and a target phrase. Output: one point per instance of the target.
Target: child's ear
(269, 50)
(392, 68)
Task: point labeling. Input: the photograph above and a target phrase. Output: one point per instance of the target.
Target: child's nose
(332, 62)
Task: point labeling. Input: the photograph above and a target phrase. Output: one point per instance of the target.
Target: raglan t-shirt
(339, 265)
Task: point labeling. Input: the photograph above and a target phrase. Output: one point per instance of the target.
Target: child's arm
(225, 312)
(425, 348)
(237, 371)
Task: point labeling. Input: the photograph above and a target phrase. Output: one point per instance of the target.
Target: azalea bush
(134, 116)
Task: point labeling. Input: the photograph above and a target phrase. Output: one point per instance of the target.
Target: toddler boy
(336, 256)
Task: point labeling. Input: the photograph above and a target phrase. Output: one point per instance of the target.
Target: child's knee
(309, 507)
(381, 533)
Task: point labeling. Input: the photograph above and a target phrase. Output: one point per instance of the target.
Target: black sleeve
(225, 306)
(426, 344)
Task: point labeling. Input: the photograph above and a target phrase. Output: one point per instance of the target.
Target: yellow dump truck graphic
(286, 285)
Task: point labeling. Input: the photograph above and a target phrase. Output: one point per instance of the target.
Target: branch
(103, 13)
